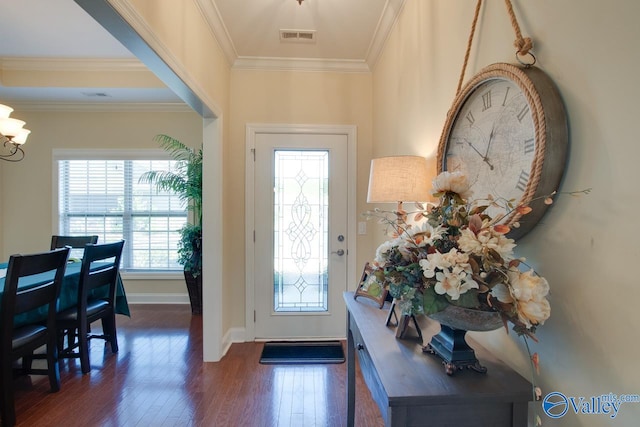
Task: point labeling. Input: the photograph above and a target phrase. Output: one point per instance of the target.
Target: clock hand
(493, 128)
(474, 148)
(487, 162)
(484, 158)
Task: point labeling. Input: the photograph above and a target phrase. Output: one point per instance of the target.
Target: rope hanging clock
(507, 131)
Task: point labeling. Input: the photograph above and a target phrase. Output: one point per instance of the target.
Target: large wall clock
(507, 131)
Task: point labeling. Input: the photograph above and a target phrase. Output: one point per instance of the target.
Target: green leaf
(432, 302)
(468, 300)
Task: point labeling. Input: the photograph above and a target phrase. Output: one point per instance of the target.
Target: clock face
(493, 141)
(507, 131)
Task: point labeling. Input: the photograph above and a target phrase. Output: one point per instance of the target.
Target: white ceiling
(39, 33)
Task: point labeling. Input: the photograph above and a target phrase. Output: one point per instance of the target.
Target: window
(103, 197)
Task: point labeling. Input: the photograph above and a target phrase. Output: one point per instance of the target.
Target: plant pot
(194, 287)
(450, 344)
(468, 319)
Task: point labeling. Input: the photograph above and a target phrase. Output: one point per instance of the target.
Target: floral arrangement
(459, 255)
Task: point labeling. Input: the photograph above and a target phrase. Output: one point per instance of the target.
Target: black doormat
(302, 352)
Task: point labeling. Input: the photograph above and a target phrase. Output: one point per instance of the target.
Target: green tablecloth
(68, 293)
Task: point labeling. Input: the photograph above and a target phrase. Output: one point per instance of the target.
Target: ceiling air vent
(298, 36)
(96, 94)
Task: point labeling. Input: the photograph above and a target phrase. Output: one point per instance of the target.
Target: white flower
(486, 239)
(424, 234)
(454, 276)
(468, 242)
(454, 282)
(433, 261)
(534, 312)
(498, 242)
(530, 291)
(528, 285)
(455, 182)
(382, 252)
(502, 293)
(448, 283)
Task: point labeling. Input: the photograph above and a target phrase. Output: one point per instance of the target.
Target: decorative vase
(450, 344)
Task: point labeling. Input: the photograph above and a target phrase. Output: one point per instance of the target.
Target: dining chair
(96, 301)
(40, 277)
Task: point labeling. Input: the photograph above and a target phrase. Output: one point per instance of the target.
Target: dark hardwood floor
(158, 379)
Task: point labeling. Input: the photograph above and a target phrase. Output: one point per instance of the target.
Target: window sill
(151, 275)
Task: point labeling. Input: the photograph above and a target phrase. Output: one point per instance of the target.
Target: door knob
(339, 252)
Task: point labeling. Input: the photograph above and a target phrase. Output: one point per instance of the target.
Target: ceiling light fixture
(12, 135)
(299, 1)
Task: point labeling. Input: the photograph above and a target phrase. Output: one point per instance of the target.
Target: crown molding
(218, 29)
(390, 13)
(93, 107)
(388, 19)
(300, 64)
(71, 64)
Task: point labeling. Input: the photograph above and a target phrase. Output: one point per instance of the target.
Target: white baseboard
(157, 298)
(232, 335)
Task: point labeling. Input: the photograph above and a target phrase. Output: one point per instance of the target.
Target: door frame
(252, 129)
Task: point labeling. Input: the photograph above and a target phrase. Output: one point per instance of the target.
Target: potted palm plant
(186, 182)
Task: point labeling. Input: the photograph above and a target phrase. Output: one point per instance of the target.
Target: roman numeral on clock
(486, 101)
(522, 180)
(523, 113)
(506, 93)
(529, 146)
(470, 118)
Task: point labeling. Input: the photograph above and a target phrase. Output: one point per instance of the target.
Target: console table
(411, 388)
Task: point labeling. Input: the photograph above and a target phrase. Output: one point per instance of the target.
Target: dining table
(68, 292)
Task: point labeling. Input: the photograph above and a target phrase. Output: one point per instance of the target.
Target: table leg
(351, 376)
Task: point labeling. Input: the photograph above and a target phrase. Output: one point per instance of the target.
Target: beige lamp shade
(400, 179)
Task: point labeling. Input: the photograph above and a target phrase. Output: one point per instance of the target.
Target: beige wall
(288, 98)
(590, 344)
(179, 34)
(187, 45)
(27, 220)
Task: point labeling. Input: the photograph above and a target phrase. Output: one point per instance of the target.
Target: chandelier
(299, 1)
(12, 135)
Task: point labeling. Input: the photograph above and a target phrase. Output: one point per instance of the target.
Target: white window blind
(104, 197)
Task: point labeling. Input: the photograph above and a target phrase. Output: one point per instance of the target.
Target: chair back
(100, 266)
(45, 271)
(73, 241)
(77, 244)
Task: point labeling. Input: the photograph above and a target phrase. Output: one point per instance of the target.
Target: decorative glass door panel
(300, 230)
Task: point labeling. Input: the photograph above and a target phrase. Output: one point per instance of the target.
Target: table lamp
(400, 179)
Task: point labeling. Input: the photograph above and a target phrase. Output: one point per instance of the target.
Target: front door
(300, 249)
